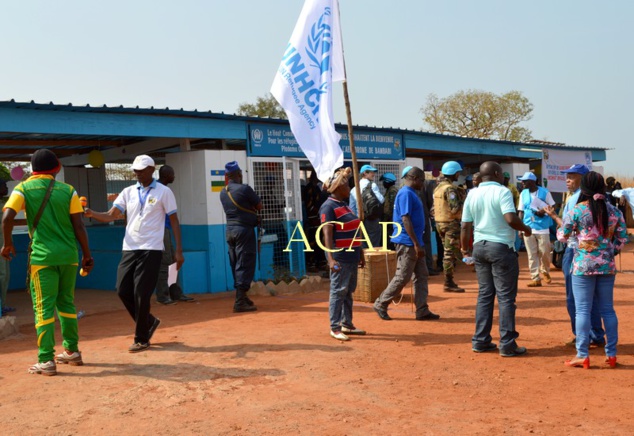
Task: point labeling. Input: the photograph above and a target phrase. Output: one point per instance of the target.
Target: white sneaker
(44, 368)
(339, 335)
(73, 359)
(352, 331)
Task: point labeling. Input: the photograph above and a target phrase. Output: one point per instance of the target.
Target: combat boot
(451, 286)
(243, 303)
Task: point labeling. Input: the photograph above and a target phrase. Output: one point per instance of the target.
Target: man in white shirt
(530, 209)
(144, 205)
(371, 223)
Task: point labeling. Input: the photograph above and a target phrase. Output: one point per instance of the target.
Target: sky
(572, 59)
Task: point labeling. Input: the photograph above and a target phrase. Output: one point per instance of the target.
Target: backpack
(372, 208)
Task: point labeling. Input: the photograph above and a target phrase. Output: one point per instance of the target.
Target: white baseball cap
(141, 162)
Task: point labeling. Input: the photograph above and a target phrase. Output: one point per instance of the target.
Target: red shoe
(611, 360)
(578, 363)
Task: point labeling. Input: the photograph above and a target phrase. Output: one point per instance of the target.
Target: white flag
(303, 84)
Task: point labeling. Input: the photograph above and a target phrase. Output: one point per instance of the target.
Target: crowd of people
(479, 224)
(483, 224)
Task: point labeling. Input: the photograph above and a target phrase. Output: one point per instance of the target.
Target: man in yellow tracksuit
(54, 257)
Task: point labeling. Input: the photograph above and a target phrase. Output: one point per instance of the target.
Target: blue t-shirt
(408, 203)
(246, 198)
(344, 233)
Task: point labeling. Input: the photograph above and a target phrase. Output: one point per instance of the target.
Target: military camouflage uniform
(388, 206)
(450, 235)
(388, 212)
(449, 228)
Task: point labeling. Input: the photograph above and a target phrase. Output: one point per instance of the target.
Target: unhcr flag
(303, 84)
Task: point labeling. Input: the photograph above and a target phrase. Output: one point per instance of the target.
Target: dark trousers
(242, 257)
(407, 263)
(498, 270)
(162, 288)
(597, 334)
(136, 279)
(429, 256)
(373, 227)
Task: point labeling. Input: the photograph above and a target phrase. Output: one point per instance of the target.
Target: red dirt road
(277, 371)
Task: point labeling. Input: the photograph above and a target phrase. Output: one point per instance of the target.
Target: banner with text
(278, 140)
(554, 161)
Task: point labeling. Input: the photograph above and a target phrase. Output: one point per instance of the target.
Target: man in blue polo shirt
(597, 334)
(491, 209)
(410, 249)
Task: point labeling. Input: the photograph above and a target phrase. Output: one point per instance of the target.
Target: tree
(5, 173)
(480, 114)
(116, 171)
(265, 106)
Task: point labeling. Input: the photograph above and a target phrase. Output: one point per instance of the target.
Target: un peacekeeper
(241, 205)
(448, 202)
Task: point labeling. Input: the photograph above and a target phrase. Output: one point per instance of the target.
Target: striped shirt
(345, 225)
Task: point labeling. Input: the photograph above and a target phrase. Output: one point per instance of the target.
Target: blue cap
(388, 177)
(450, 168)
(365, 168)
(528, 176)
(577, 169)
(232, 167)
(405, 171)
(469, 178)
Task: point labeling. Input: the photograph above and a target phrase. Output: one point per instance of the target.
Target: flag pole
(353, 151)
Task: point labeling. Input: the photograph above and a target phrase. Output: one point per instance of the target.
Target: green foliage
(119, 172)
(479, 114)
(5, 173)
(265, 106)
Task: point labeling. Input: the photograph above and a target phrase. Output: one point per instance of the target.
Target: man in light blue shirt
(597, 334)
(372, 224)
(492, 210)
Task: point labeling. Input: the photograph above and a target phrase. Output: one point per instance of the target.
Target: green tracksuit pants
(53, 287)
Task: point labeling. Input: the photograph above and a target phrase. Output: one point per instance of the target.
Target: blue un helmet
(450, 168)
(388, 177)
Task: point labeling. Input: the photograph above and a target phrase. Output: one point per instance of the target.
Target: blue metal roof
(70, 129)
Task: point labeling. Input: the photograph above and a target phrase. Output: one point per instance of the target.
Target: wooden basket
(380, 267)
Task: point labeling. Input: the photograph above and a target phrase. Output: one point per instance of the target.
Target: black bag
(558, 253)
(372, 207)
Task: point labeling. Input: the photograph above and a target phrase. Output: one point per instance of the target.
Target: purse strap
(243, 209)
(49, 190)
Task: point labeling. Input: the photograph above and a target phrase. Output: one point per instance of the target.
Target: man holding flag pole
(313, 59)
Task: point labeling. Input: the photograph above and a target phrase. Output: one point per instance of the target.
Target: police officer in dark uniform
(241, 205)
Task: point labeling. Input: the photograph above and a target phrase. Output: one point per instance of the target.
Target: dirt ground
(277, 371)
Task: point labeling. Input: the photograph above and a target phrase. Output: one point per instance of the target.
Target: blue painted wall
(206, 268)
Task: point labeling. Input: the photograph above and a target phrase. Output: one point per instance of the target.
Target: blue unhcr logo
(306, 93)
